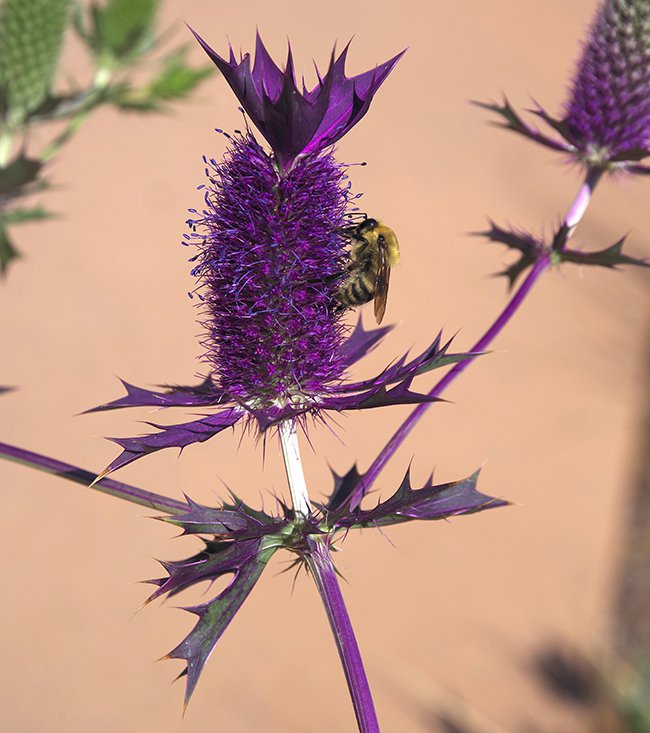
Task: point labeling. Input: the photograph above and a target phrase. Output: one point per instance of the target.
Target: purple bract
(296, 122)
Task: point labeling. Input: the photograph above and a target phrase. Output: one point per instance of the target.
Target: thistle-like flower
(606, 122)
(272, 249)
(272, 252)
(608, 114)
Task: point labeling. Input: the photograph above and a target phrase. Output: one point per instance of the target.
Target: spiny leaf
(171, 436)
(227, 522)
(17, 177)
(611, 256)
(176, 79)
(7, 251)
(512, 121)
(530, 249)
(430, 502)
(344, 487)
(361, 342)
(246, 559)
(22, 215)
(31, 34)
(120, 31)
(202, 394)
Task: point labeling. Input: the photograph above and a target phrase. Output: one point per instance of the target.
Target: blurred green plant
(120, 35)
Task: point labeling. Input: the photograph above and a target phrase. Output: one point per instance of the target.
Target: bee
(374, 250)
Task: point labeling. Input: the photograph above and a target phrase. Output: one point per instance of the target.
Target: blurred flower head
(608, 113)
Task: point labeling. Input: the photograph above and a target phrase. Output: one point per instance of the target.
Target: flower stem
(6, 141)
(572, 219)
(68, 132)
(581, 201)
(80, 476)
(293, 466)
(324, 573)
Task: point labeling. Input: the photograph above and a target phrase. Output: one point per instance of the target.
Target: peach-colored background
(451, 611)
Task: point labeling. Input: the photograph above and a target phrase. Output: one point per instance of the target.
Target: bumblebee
(374, 250)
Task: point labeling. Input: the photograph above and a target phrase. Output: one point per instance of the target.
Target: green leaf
(175, 79)
(31, 34)
(611, 256)
(120, 31)
(7, 251)
(22, 215)
(18, 175)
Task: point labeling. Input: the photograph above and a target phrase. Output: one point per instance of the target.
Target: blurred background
(463, 625)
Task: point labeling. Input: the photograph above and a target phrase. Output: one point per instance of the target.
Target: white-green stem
(293, 465)
(6, 140)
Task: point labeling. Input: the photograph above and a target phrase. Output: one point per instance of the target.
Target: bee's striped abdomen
(358, 289)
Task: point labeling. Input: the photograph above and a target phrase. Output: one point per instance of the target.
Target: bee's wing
(383, 278)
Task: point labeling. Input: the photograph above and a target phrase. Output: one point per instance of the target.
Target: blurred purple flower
(606, 124)
(608, 114)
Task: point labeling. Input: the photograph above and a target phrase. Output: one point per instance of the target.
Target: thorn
(100, 476)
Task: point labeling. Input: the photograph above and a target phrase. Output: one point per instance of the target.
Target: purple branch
(80, 476)
(324, 574)
(573, 217)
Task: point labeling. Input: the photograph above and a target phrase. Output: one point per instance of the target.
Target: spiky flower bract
(608, 114)
(296, 123)
(270, 262)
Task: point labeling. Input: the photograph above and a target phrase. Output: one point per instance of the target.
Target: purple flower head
(271, 256)
(608, 114)
(296, 122)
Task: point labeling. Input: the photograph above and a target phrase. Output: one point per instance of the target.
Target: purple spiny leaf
(611, 256)
(361, 342)
(247, 560)
(512, 121)
(174, 396)
(378, 396)
(433, 357)
(529, 247)
(172, 436)
(236, 522)
(429, 502)
(344, 487)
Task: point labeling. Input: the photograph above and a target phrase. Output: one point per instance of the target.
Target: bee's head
(367, 226)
